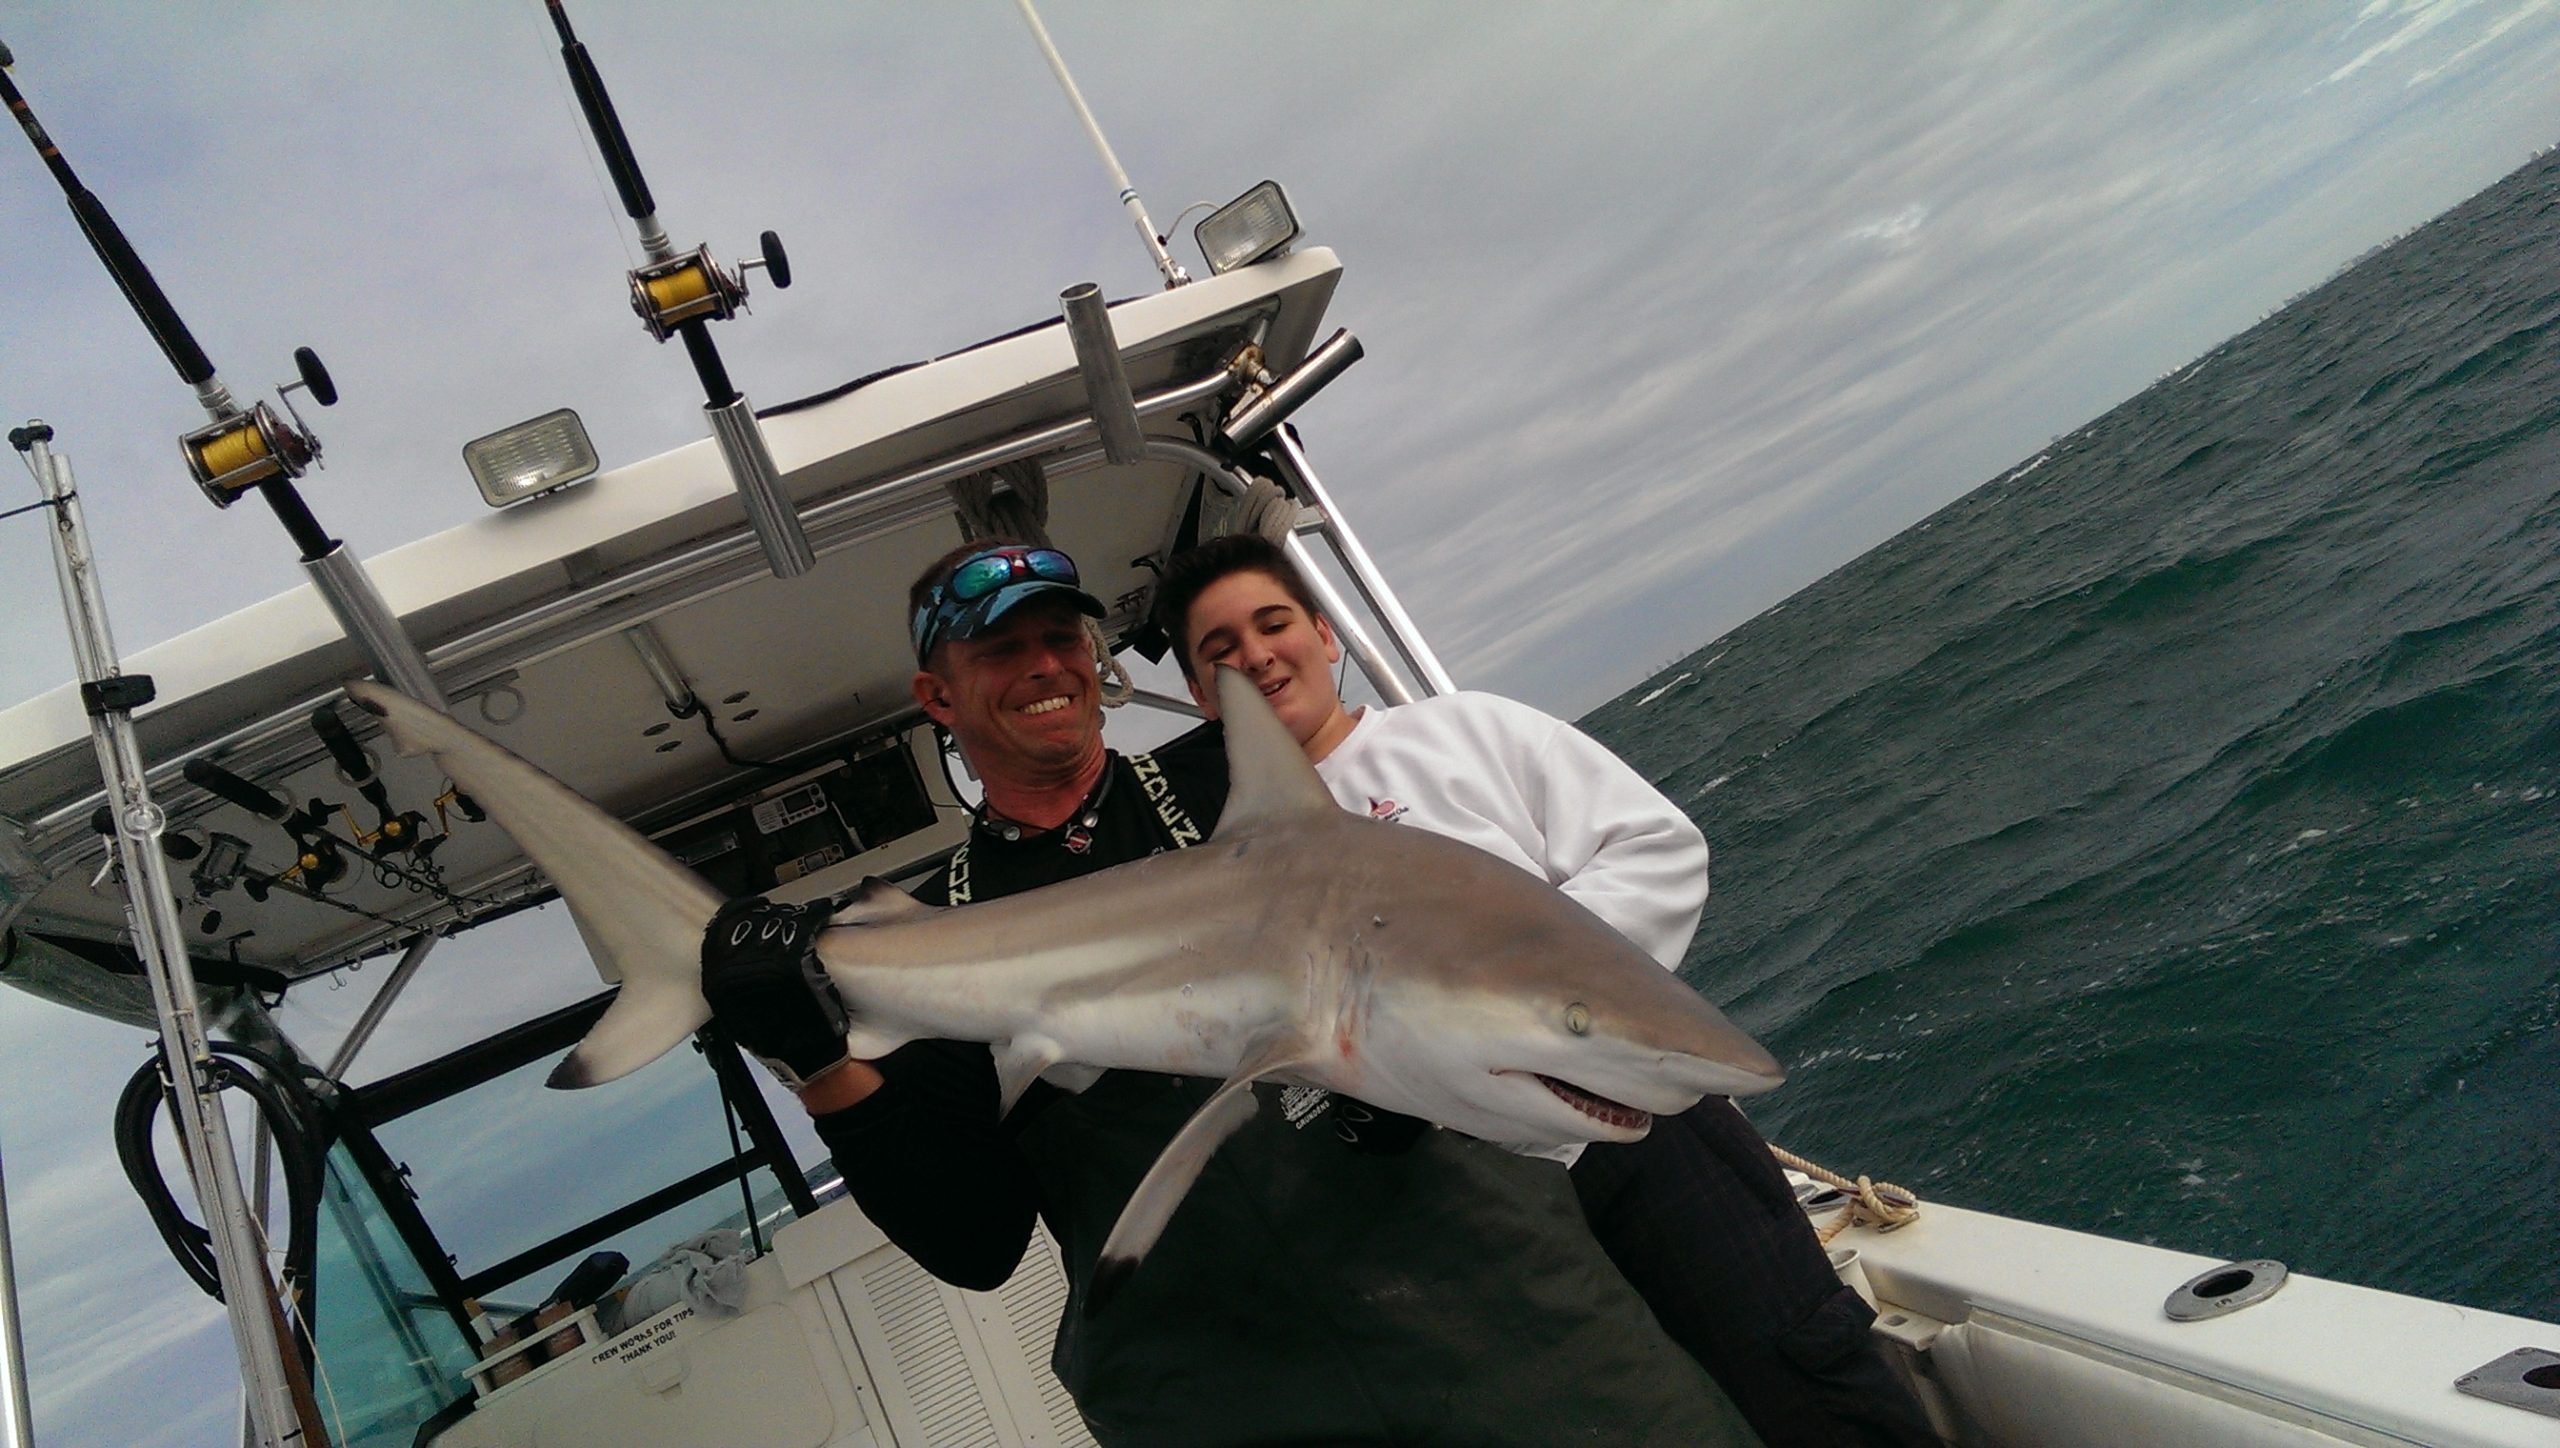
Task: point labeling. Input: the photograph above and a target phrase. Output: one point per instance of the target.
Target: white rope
(1880, 1205)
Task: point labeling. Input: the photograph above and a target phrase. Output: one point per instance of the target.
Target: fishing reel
(694, 287)
(242, 450)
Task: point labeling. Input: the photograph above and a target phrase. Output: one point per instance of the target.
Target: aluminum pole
(151, 909)
(1346, 626)
(1364, 573)
(17, 1424)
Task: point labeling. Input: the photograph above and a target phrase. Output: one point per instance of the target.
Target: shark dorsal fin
(1268, 777)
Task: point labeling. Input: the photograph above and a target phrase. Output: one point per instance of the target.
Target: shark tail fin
(641, 913)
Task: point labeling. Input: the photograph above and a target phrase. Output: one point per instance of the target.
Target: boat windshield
(390, 1354)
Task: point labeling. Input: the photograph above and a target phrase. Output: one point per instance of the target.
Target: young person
(1697, 1214)
(1317, 1285)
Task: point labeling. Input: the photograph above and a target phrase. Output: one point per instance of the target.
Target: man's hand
(761, 976)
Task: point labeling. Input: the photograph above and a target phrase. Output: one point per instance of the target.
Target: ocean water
(2164, 838)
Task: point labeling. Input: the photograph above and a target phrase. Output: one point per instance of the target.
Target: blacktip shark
(1300, 943)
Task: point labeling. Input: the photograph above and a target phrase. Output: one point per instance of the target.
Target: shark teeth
(1598, 1108)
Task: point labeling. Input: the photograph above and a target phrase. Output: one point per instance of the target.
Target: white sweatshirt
(1540, 793)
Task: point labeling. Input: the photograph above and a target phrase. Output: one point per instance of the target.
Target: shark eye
(1577, 1019)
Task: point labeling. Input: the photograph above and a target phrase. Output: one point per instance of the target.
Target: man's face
(1023, 698)
(1247, 621)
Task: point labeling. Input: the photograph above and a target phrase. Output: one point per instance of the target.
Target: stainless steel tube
(151, 909)
(380, 1006)
(1253, 422)
(769, 509)
(661, 665)
(17, 1428)
(1364, 572)
(348, 589)
(1346, 627)
(1106, 382)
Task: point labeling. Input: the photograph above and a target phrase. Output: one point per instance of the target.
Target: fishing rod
(243, 450)
(680, 294)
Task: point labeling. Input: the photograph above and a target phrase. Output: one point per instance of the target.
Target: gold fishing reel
(240, 450)
(695, 287)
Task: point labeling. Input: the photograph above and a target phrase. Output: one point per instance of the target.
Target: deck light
(1244, 231)
(531, 458)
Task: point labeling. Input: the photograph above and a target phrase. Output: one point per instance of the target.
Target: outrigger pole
(1172, 272)
(679, 294)
(240, 451)
(281, 1415)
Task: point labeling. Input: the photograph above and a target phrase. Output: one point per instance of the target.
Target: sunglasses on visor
(979, 577)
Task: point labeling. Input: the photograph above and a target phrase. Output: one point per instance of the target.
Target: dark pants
(1699, 1218)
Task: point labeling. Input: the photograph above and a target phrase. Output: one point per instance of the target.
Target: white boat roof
(520, 613)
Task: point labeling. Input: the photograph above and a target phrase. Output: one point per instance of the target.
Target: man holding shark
(1334, 1275)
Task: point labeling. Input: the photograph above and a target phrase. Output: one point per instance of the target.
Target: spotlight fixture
(531, 458)
(1244, 231)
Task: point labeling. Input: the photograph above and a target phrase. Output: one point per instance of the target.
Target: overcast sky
(1670, 309)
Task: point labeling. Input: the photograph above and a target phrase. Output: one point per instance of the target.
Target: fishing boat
(619, 631)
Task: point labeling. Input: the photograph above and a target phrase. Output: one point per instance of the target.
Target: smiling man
(1696, 1214)
(1324, 1281)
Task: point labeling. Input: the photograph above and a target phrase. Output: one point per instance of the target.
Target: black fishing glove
(1371, 1130)
(761, 975)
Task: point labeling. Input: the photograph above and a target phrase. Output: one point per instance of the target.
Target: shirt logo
(1385, 809)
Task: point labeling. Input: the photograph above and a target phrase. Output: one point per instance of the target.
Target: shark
(1300, 943)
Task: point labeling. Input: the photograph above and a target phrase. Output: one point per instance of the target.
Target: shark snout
(1744, 1069)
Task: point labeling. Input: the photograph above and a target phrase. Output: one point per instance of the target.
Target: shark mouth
(1598, 1108)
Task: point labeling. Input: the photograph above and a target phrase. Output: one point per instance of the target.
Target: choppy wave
(2171, 838)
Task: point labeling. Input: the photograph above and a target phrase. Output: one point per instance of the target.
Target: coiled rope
(1880, 1205)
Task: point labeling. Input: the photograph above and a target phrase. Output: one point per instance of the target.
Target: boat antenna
(1174, 275)
(241, 451)
(679, 294)
(279, 1401)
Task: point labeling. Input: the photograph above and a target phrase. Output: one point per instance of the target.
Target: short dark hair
(1188, 575)
(940, 569)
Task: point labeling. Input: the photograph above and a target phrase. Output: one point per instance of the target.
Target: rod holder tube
(151, 909)
(769, 509)
(1106, 382)
(348, 589)
(1255, 420)
(1364, 572)
(663, 671)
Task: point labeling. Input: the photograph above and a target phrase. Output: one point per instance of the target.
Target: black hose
(299, 1119)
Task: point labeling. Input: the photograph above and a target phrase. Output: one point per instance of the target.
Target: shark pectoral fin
(1166, 1183)
(644, 1022)
(1019, 1062)
(1268, 777)
(877, 902)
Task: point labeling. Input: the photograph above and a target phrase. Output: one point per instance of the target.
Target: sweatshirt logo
(1385, 809)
